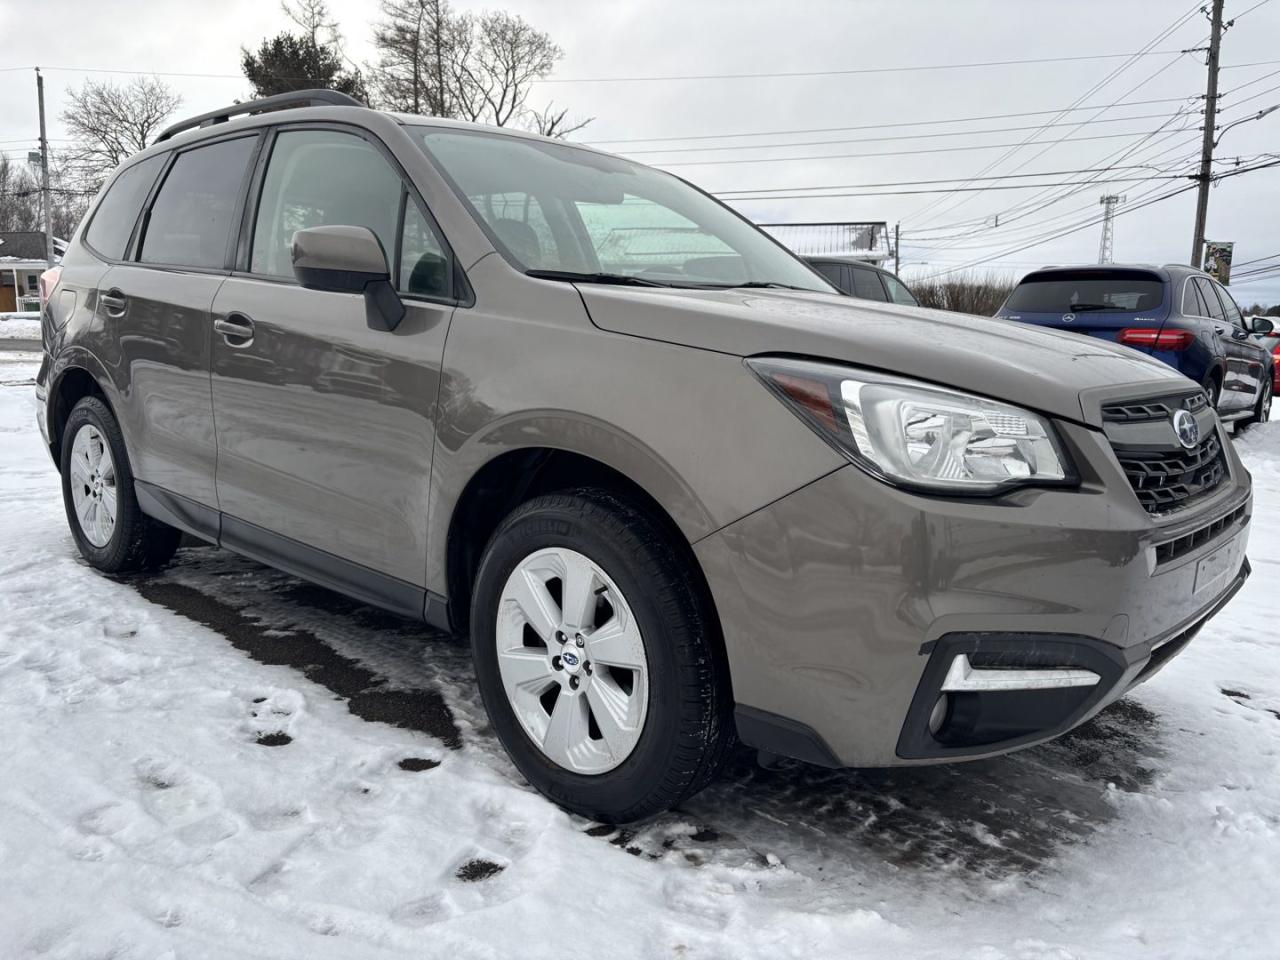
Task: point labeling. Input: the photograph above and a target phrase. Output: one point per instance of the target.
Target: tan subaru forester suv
(678, 489)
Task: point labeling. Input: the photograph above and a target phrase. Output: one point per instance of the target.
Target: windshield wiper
(757, 284)
(1086, 307)
(574, 276)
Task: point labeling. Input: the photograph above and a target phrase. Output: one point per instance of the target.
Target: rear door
(154, 308)
(326, 426)
(1096, 302)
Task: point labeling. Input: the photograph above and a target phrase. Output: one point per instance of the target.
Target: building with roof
(22, 260)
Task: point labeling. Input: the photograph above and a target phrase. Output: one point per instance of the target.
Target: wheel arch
(515, 476)
(72, 383)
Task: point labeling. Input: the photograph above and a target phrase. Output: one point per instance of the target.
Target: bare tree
(551, 122)
(507, 54)
(414, 38)
(20, 198)
(109, 123)
(478, 67)
(315, 20)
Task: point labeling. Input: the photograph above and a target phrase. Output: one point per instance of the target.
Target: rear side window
(866, 284)
(1192, 303)
(1210, 299)
(113, 221)
(1084, 291)
(190, 221)
(322, 178)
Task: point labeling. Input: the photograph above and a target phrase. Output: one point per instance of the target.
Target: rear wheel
(1261, 410)
(112, 533)
(597, 659)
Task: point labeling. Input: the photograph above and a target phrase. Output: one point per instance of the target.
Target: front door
(325, 427)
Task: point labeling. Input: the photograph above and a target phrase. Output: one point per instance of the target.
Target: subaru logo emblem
(1185, 426)
(570, 659)
(1068, 318)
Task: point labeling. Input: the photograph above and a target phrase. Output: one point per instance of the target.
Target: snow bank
(19, 326)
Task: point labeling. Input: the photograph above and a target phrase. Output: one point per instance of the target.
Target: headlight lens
(918, 435)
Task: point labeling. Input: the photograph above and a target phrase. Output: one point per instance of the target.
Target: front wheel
(598, 660)
(109, 528)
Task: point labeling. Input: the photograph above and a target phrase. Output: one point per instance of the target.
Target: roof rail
(281, 101)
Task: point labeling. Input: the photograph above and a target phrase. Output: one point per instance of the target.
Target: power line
(892, 153)
(1176, 25)
(917, 183)
(903, 193)
(900, 136)
(872, 126)
(1131, 208)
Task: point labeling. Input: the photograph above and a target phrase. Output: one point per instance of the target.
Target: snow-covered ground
(221, 761)
(19, 326)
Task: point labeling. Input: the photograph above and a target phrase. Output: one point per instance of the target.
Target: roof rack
(281, 101)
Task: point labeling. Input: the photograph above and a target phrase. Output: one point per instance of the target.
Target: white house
(22, 260)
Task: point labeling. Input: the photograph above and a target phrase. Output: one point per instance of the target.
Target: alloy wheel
(572, 660)
(93, 485)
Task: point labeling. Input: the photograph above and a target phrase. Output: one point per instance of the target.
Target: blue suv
(1176, 314)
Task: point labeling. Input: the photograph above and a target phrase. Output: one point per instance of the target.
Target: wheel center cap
(572, 659)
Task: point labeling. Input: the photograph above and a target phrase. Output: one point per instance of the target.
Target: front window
(554, 207)
(1085, 291)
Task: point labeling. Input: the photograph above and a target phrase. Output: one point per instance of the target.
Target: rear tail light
(48, 280)
(1156, 339)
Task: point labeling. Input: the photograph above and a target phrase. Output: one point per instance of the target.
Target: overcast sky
(656, 38)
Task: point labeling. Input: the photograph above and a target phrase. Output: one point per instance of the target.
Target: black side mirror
(343, 259)
(1261, 326)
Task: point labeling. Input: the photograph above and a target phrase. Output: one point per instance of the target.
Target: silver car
(676, 488)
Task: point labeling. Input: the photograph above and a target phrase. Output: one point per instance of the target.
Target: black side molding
(178, 511)
(787, 738)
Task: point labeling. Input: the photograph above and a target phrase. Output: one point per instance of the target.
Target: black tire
(138, 542)
(1214, 391)
(688, 729)
(1261, 409)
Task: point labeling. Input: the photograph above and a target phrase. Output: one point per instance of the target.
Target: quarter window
(113, 222)
(319, 178)
(190, 221)
(898, 292)
(424, 266)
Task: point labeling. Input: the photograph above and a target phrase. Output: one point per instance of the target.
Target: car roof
(1166, 270)
(853, 261)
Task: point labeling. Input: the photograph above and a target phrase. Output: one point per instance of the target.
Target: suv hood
(1019, 363)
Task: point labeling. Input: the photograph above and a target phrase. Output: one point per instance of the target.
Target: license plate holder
(1213, 570)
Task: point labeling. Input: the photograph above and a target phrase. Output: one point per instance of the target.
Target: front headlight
(915, 434)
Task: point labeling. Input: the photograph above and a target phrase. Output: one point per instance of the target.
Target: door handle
(114, 302)
(236, 329)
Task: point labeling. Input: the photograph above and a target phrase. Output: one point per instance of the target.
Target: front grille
(1171, 550)
(1171, 479)
(1148, 410)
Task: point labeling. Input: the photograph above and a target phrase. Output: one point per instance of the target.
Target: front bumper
(844, 603)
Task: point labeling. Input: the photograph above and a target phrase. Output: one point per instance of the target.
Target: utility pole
(1105, 248)
(1206, 150)
(44, 174)
(897, 247)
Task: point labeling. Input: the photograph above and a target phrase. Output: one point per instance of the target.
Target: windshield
(1088, 291)
(581, 214)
